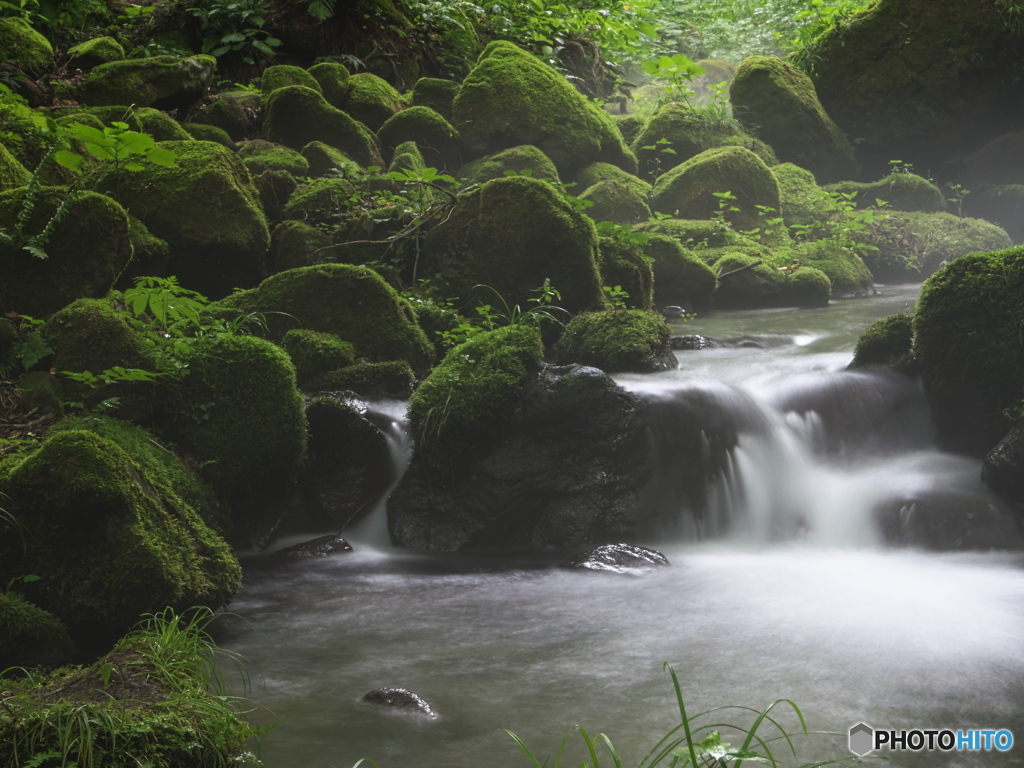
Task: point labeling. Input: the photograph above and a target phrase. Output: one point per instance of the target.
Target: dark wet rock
(693, 342)
(321, 546)
(950, 522)
(670, 313)
(619, 558)
(400, 700)
(1003, 470)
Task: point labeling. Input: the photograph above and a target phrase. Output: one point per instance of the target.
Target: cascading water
(781, 586)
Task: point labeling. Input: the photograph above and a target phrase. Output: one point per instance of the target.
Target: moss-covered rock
(437, 139)
(477, 385)
(967, 342)
(31, 637)
(777, 102)
(511, 98)
(886, 343)
(315, 352)
(86, 251)
(259, 156)
(393, 379)
(912, 245)
(617, 341)
(295, 244)
(407, 157)
(90, 335)
(617, 204)
(591, 174)
(233, 114)
(807, 287)
(677, 132)
(164, 82)
(111, 539)
(747, 282)
(624, 265)
(150, 255)
(333, 80)
(698, 234)
(24, 46)
(525, 160)
(680, 278)
(804, 203)
(353, 303)
(275, 189)
(161, 126)
(283, 75)
(435, 93)
(629, 126)
(203, 132)
(902, 191)
(12, 173)
(296, 115)
(319, 201)
(689, 190)
(98, 50)
(323, 159)
(512, 234)
(207, 210)
(371, 100)
(846, 270)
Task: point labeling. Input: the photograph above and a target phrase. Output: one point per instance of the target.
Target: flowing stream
(783, 590)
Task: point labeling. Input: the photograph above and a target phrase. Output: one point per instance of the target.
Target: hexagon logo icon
(861, 739)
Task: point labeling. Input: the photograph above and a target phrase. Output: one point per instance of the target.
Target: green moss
(319, 201)
(87, 251)
(680, 278)
(27, 48)
(968, 344)
(511, 234)
(697, 233)
(887, 342)
(618, 204)
(807, 287)
(351, 302)
(12, 173)
(150, 254)
(111, 539)
(617, 341)
(437, 139)
(333, 80)
(778, 103)
(677, 132)
(275, 189)
(315, 352)
(476, 386)
(902, 191)
(283, 75)
(912, 245)
(203, 132)
(30, 636)
(160, 125)
(392, 379)
(435, 320)
(688, 190)
(625, 265)
(759, 286)
(519, 159)
(259, 156)
(846, 270)
(435, 93)
(407, 157)
(295, 116)
(371, 100)
(98, 50)
(594, 173)
(803, 201)
(296, 244)
(164, 82)
(233, 115)
(90, 335)
(511, 98)
(629, 126)
(323, 158)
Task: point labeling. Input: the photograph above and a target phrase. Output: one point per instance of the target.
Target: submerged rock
(693, 342)
(400, 700)
(321, 546)
(618, 558)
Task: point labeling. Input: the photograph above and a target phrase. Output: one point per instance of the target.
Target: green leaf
(69, 159)
(163, 157)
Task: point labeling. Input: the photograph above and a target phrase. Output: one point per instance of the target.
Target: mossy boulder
(12, 173)
(392, 379)
(913, 245)
(203, 132)
(677, 132)
(511, 98)
(371, 100)
(617, 341)
(235, 115)
(160, 125)
(111, 539)
(804, 203)
(163, 82)
(90, 335)
(847, 272)
(315, 352)
(259, 156)
(477, 385)
(591, 174)
(31, 637)
(747, 282)
(275, 189)
(623, 264)
(332, 78)
(296, 115)
(808, 287)
(28, 49)
(629, 126)
(283, 75)
(98, 50)
(901, 191)
(323, 159)
(967, 342)
(681, 279)
(207, 210)
(353, 303)
(435, 93)
(689, 190)
(295, 244)
(437, 139)
(525, 160)
(698, 234)
(512, 234)
(777, 103)
(86, 251)
(319, 201)
(150, 254)
(617, 204)
(886, 343)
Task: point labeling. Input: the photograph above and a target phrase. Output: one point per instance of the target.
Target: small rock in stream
(618, 558)
(693, 342)
(321, 546)
(400, 700)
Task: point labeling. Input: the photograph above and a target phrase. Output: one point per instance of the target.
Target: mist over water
(783, 590)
